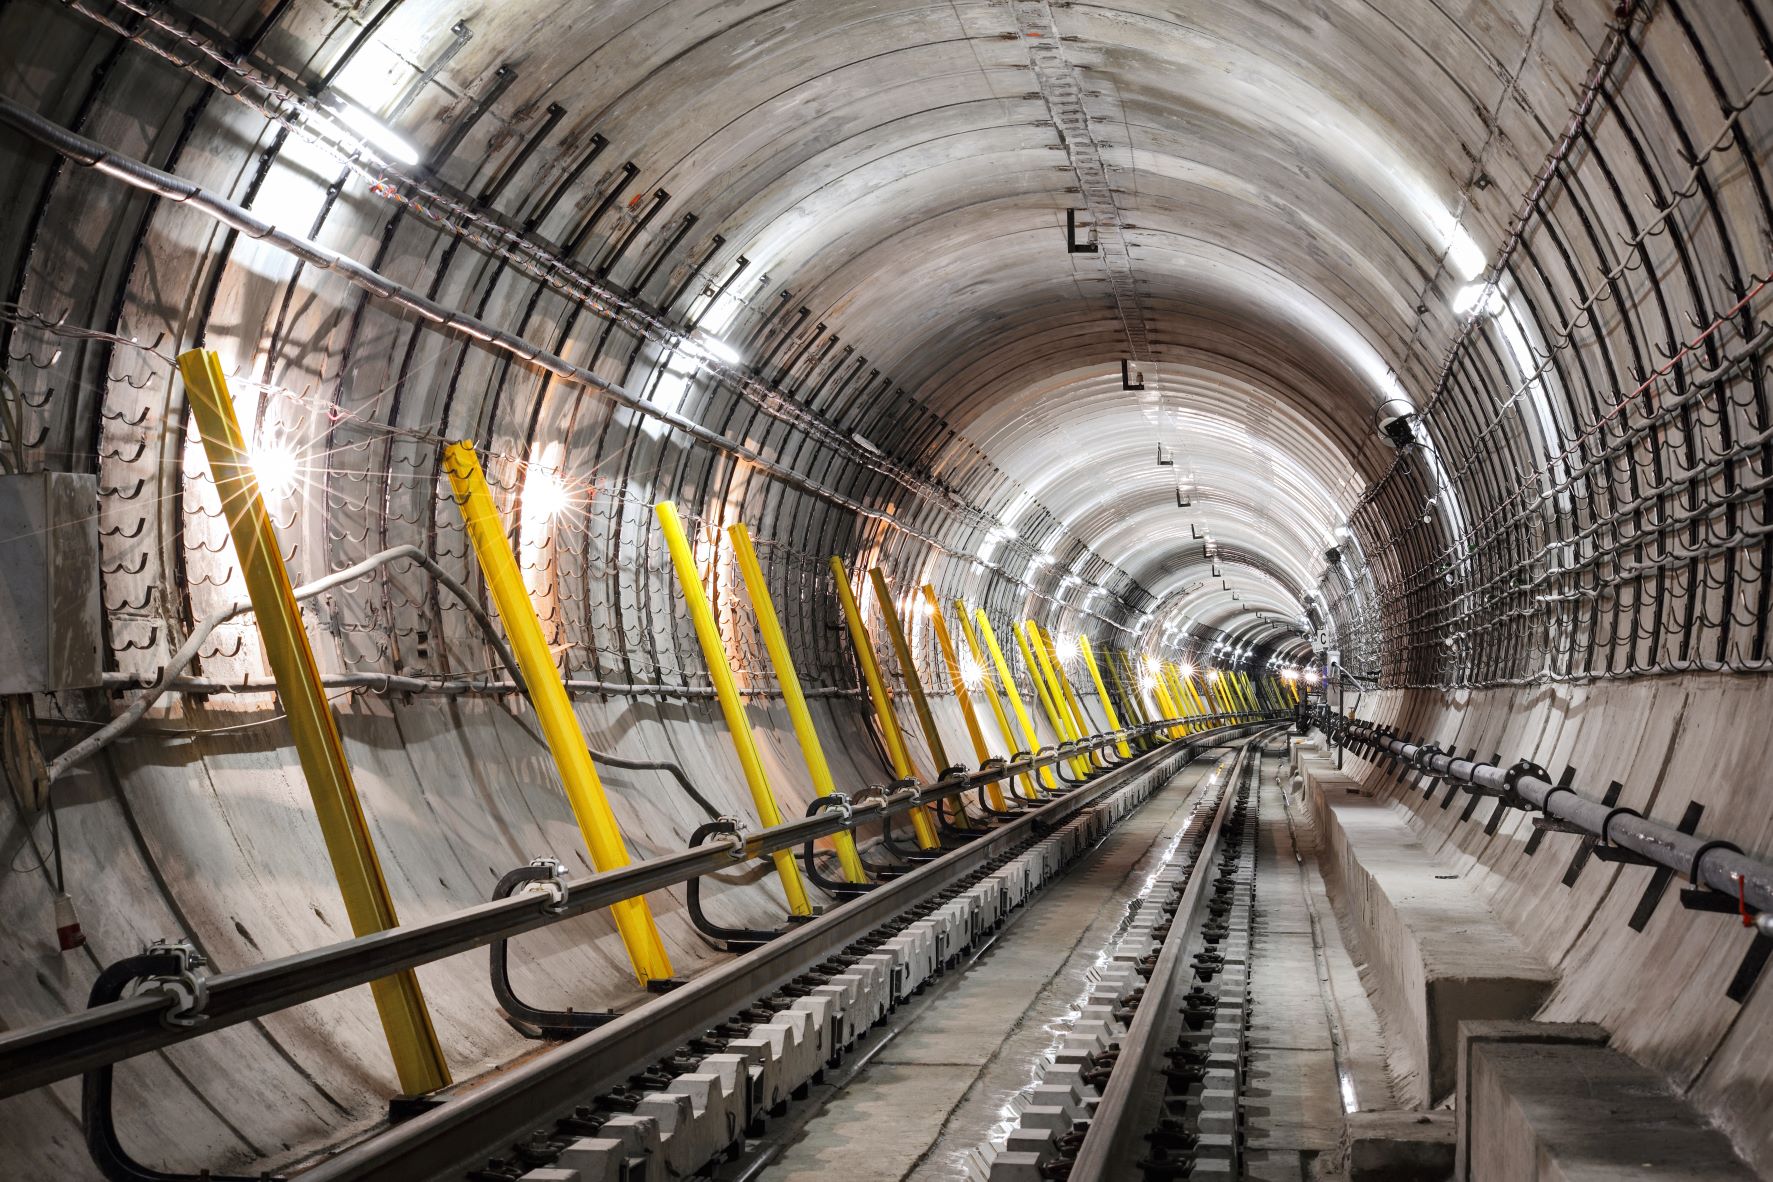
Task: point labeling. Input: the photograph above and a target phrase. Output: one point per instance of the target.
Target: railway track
(686, 1084)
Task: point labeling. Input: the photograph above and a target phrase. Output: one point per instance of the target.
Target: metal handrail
(76, 1043)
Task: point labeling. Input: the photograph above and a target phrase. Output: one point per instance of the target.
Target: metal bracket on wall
(1072, 245)
(725, 938)
(171, 968)
(542, 876)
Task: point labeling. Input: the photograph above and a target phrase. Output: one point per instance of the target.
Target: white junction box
(49, 582)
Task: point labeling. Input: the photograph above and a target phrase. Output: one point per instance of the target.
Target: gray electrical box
(49, 583)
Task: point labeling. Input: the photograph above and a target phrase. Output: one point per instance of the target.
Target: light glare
(377, 134)
(275, 466)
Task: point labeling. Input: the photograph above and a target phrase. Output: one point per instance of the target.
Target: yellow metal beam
(962, 695)
(1081, 723)
(1083, 646)
(1028, 638)
(1171, 708)
(897, 752)
(726, 690)
(418, 1058)
(554, 709)
(1010, 692)
(776, 644)
(1047, 649)
(988, 684)
(1128, 680)
(926, 721)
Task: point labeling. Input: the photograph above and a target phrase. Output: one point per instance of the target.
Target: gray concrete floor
(949, 1080)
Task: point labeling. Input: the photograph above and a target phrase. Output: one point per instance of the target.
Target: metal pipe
(181, 660)
(63, 1047)
(1702, 860)
(401, 683)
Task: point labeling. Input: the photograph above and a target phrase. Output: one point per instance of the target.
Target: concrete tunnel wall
(926, 351)
(1659, 992)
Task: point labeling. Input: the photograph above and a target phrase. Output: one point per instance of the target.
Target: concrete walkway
(947, 1082)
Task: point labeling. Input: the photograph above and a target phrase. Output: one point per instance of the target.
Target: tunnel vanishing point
(1006, 590)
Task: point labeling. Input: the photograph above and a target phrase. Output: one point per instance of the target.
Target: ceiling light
(1474, 297)
(376, 134)
(717, 348)
(275, 466)
(544, 496)
(1464, 255)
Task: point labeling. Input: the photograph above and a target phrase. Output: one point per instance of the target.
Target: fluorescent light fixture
(1464, 255)
(376, 134)
(1477, 297)
(717, 348)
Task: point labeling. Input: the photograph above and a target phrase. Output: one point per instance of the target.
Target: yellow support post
(1127, 679)
(1011, 746)
(1080, 719)
(776, 644)
(1198, 707)
(1129, 686)
(921, 825)
(920, 704)
(418, 1059)
(1048, 652)
(554, 710)
(1212, 693)
(1176, 686)
(1015, 698)
(1029, 641)
(1172, 710)
(726, 690)
(1083, 646)
(961, 694)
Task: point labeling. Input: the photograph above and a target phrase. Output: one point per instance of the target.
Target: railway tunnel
(798, 588)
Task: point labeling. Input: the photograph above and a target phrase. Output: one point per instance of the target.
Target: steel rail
(70, 1045)
(1116, 1127)
(1702, 860)
(454, 1136)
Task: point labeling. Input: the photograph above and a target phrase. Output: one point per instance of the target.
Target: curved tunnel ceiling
(1282, 230)
(1285, 202)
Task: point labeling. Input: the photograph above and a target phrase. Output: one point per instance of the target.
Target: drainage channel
(719, 1059)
